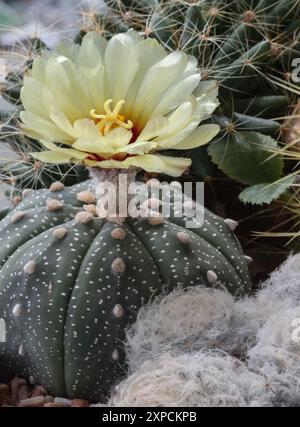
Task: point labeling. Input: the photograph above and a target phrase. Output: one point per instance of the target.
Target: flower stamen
(112, 119)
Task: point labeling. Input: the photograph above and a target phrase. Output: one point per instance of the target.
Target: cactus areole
(73, 276)
(71, 282)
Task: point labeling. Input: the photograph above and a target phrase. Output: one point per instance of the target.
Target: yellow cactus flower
(117, 104)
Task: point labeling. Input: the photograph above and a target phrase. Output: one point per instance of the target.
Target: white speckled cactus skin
(70, 283)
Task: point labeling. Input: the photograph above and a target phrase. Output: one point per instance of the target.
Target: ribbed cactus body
(71, 282)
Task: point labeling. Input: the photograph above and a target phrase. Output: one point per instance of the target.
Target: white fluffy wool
(247, 318)
(277, 356)
(170, 354)
(283, 287)
(193, 380)
(278, 294)
(184, 320)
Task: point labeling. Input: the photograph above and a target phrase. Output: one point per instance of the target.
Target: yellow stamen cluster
(112, 119)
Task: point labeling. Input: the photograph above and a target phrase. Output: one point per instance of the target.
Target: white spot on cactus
(86, 197)
(91, 209)
(157, 219)
(32, 380)
(116, 355)
(248, 259)
(17, 216)
(30, 267)
(118, 233)
(183, 237)
(56, 187)
(21, 350)
(26, 192)
(231, 224)
(59, 233)
(118, 266)
(211, 276)
(84, 217)
(118, 311)
(17, 310)
(54, 205)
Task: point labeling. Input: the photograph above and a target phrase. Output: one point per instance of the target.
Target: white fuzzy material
(277, 356)
(247, 318)
(283, 287)
(184, 320)
(170, 355)
(193, 380)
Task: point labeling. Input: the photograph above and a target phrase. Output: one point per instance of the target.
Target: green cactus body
(71, 282)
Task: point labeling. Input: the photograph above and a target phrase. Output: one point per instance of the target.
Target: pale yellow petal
(155, 127)
(91, 68)
(63, 80)
(29, 132)
(207, 89)
(95, 145)
(45, 128)
(175, 166)
(49, 99)
(192, 64)
(177, 94)
(86, 128)
(207, 99)
(38, 68)
(62, 122)
(31, 97)
(148, 162)
(67, 151)
(94, 81)
(118, 138)
(92, 50)
(68, 49)
(201, 136)
(170, 141)
(157, 80)
(182, 116)
(181, 123)
(120, 77)
(139, 147)
(51, 157)
(147, 52)
(105, 164)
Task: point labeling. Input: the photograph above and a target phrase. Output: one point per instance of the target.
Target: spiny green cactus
(70, 282)
(245, 45)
